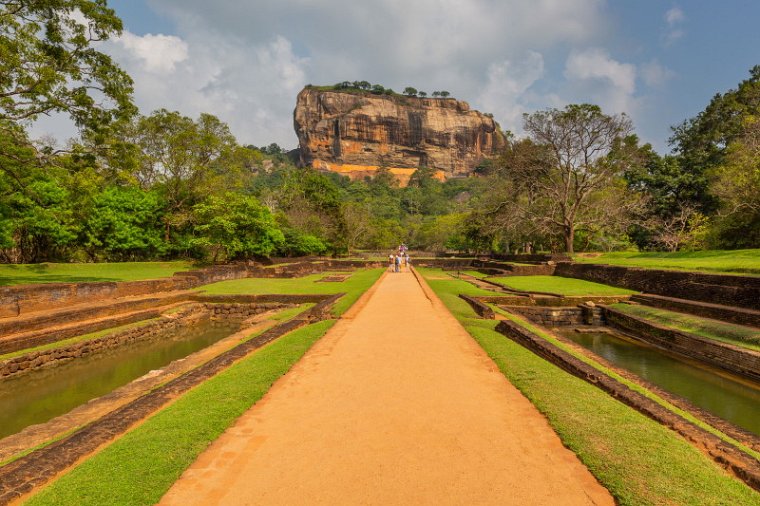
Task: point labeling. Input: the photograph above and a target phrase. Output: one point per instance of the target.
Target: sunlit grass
(559, 285)
(16, 274)
(746, 261)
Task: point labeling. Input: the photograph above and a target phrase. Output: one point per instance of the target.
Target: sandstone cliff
(355, 133)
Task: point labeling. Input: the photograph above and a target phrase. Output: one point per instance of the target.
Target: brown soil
(395, 405)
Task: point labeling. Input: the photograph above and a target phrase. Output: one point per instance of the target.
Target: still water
(41, 395)
(722, 394)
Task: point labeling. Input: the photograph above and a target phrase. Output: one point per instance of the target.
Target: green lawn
(739, 335)
(559, 285)
(354, 286)
(18, 274)
(745, 261)
(637, 459)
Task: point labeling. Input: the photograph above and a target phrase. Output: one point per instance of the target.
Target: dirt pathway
(395, 405)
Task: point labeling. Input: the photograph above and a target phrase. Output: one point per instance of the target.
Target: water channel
(43, 394)
(722, 394)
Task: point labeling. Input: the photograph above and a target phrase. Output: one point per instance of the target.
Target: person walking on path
(397, 263)
(391, 261)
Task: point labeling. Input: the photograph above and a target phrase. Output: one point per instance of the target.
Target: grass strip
(640, 461)
(16, 274)
(739, 335)
(353, 286)
(78, 339)
(140, 467)
(559, 285)
(741, 262)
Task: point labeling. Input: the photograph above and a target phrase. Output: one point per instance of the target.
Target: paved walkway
(395, 405)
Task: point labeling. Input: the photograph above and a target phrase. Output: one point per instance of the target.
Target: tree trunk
(569, 238)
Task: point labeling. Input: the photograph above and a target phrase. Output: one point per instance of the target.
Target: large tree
(48, 63)
(187, 159)
(577, 188)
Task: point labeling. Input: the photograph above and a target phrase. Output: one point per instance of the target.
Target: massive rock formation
(356, 133)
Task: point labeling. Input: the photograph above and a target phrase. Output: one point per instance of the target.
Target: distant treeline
(163, 185)
(378, 89)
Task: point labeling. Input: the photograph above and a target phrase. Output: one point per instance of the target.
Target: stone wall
(742, 291)
(731, 358)
(561, 316)
(482, 309)
(208, 307)
(570, 300)
(740, 316)
(53, 357)
(241, 311)
(22, 299)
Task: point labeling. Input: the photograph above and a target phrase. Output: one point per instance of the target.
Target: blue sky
(245, 61)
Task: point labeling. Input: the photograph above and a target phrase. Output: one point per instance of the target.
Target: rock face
(356, 133)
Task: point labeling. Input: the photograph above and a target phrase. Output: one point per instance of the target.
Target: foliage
(48, 62)
(236, 226)
(125, 224)
(577, 187)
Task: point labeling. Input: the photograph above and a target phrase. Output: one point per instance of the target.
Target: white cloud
(157, 53)
(246, 61)
(253, 89)
(608, 82)
(505, 92)
(655, 75)
(674, 17)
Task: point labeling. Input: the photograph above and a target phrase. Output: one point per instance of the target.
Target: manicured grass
(746, 261)
(140, 467)
(353, 286)
(474, 274)
(13, 274)
(739, 335)
(559, 285)
(637, 459)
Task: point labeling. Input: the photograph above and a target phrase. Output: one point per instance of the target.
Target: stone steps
(49, 326)
(729, 314)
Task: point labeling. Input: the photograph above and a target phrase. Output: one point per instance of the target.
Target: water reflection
(41, 395)
(731, 398)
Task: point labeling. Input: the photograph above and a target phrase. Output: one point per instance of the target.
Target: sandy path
(395, 405)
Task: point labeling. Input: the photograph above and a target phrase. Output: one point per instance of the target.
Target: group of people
(396, 260)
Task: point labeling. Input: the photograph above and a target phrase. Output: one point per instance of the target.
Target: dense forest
(164, 185)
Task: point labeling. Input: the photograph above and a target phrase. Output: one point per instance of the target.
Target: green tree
(580, 139)
(235, 226)
(125, 224)
(49, 64)
(185, 159)
(410, 92)
(736, 183)
(703, 140)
